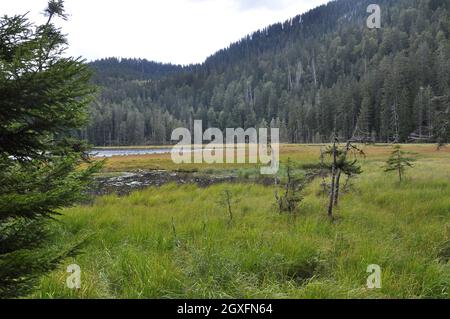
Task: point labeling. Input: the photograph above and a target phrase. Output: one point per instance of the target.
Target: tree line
(313, 75)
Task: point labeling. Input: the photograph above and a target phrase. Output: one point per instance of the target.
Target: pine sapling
(227, 201)
(292, 189)
(343, 161)
(398, 162)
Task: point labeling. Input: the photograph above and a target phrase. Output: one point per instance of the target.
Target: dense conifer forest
(337, 216)
(318, 73)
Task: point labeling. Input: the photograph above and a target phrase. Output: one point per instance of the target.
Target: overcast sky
(175, 31)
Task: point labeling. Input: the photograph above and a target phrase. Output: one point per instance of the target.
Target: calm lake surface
(129, 151)
(109, 152)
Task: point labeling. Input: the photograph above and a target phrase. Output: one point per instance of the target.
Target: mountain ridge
(318, 73)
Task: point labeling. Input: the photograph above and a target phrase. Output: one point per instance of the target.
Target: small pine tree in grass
(341, 164)
(291, 196)
(44, 98)
(398, 162)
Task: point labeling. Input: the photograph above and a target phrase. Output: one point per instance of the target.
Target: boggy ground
(179, 240)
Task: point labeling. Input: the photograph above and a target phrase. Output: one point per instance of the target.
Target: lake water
(126, 152)
(105, 152)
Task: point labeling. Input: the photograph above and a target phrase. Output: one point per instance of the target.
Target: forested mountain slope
(131, 69)
(315, 74)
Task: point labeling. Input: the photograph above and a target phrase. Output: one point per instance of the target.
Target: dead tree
(441, 127)
(395, 122)
(438, 129)
(227, 201)
(175, 236)
(333, 177)
(323, 172)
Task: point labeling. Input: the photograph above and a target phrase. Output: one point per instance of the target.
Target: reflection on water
(105, 152)
(125, 152)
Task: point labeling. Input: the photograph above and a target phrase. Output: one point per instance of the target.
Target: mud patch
(131, 181)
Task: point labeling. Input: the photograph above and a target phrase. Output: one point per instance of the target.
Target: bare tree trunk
(298, 75)
(333, 182)
(338, 179)
(395, 121)
(338, 182)
(314, 71)
(228, 202)
(174, 230)
(289, 79)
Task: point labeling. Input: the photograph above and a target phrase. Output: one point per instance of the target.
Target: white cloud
(177, 31)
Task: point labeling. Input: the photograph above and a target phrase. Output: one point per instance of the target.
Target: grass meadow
(179, 242)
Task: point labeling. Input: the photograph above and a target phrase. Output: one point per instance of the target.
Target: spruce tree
(441, 120)
(398, 162)
(43, 97)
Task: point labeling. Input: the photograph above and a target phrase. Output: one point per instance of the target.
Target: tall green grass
(177, 241)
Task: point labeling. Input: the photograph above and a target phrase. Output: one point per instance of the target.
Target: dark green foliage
(398, 162)
(291, 191)
(131, 69)
(44, 97)
(441, 122)
(343, 162)
(312, 75)
(346, 160)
